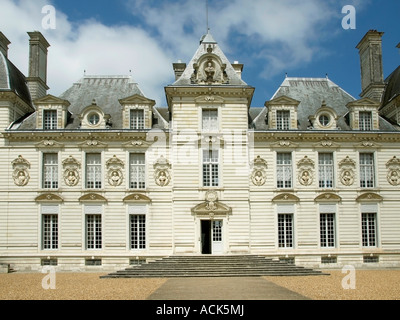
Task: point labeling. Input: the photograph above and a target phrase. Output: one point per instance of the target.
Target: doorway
(211, 237)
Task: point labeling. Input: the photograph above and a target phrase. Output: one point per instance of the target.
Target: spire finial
(208, 27)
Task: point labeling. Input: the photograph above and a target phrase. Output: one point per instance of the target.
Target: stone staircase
(213, 266)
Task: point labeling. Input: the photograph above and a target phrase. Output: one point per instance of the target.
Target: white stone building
(101, 177)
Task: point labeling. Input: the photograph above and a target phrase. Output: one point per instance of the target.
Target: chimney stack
(37, 78)
(4, 42)
(179, 68)
(370, 50)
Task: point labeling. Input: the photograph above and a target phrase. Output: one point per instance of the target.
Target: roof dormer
(93, 117)
(364, 114)
(282, 113)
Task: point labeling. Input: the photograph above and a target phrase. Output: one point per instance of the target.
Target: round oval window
(324, 120)
(94, 119)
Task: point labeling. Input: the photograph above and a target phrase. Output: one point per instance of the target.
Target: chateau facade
(100, 177)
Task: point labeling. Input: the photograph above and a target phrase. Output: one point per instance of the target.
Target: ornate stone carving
(259, 175)
(137, 198)
(115, 175)
(71, 173)
(347, 171)
(212, 207)
(393, 175)
(209, 70)
(306, 171)
(21, 168)
(161, 172)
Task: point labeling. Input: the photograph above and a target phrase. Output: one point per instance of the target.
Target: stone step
(212, 266)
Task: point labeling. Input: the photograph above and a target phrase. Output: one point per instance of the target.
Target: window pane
(93, 171)
(137, 170)
(210, 120)
(365, 121)
(325, 170)
(137, 119)
(285, 230)
(138, 231)
(327, 230)
(50, 119)
(367, 170)
(50, 171)
(369, 229)
(284, 170)
(210, 168)
(93, 232)
(283, 120)
(50, 231)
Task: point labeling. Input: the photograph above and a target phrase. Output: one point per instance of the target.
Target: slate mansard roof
(13, 80)
(312, 94)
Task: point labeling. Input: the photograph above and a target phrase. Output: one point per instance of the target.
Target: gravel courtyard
(370, 285)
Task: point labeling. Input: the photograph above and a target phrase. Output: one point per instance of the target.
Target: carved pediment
(137, 99)
(49, 197)
(50, 99)
(210, 99)
(212, 207)
(286, 197)
(137, 198)
(328, 197)
(284, 144)
(369, 197)
(92, 143)
(138, 143)
(92, 197)
(282, 100)
(49, 144)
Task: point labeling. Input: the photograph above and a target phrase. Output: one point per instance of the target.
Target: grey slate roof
(392, 87)
(11, 79)
(312, 92)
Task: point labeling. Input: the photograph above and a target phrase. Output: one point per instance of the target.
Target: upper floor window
(50, 171)
(325, 167)
(137, 119)
(365, 121)
(282, 120)
(50, 119)
(368, 224)
(210, 168)
(93, 171)
(367, 170)
(284, 170)
(137, 171)
(210, 120)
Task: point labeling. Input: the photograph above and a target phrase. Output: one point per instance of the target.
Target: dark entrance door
(206, 237)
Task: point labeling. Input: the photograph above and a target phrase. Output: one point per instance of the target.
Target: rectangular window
(93, 171)
(137, 171)
(50, 171)
(283, 120)
(137, 119)
(210, 168)
(138, 231)
(327, 230)
(365, 120)
(93, 231)
(210, 120)
(367, 170)
(325, 165)
(284, 170)
(285, 230)
(50, 119)
(368, 225)
(50, 231)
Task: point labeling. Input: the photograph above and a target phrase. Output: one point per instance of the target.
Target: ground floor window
(368, 225)
(138, 231)
(285, 230)
(327, 230)
(50, 231)
(93, 231)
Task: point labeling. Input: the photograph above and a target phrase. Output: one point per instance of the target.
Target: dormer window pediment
(137, 112)
(282, 113)
(364, 115)
(51, 113)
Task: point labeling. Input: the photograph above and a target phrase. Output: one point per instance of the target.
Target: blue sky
(300, 38)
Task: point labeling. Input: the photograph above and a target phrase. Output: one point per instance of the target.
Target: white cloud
(90, 46)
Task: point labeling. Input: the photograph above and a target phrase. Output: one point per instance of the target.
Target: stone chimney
(238, 68)
(4, 42)
(179, 68)
(37, 78)
(370, 50)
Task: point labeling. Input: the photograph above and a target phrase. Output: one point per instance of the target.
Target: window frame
(211, 175)
(285, 232)
(365, 120)
(367, 170)
(285, 170)
(94, 237)
(213, 122)
(137, 231)
(366, 233)
(97, 173)
(137, 119)
(53, 168)
(141, 170)
(283, 120)
(50, 233)
(326, 171)
(50, 119)
(328, 233)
